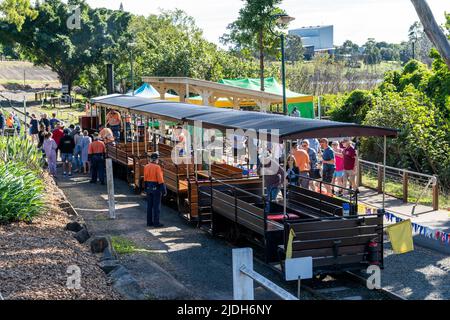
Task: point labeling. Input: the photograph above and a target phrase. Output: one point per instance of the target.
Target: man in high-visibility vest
(155, 188)
(96, 154)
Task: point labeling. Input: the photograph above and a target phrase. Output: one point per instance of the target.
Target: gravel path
(202, 264)
(196, 260)
(418, 275)
(34, 259)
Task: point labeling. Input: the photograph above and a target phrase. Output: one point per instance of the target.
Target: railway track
(346, 286)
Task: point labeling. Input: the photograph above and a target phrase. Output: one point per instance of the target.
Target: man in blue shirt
(53, 121)
(328, 164)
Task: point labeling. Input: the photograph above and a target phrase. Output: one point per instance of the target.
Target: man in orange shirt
(96, 155)
(155, 187)
(302, 161)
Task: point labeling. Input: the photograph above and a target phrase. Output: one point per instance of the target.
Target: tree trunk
(261, 59)
(432, 29)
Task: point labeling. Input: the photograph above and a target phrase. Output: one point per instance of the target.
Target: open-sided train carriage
(235, 204)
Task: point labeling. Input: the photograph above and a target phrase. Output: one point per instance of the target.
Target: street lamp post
(283, 74)
(283, 19)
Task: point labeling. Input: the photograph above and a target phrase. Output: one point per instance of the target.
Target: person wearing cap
(96, 156)
(155, 188)
(349, 155)
(66, 147)
(273, 178)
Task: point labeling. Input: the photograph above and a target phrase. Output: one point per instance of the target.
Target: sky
(355, 20)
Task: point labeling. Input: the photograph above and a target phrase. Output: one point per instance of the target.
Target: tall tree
(252, 29)
(432, 29)
(294, 48)
(48, 39)
(16, 11)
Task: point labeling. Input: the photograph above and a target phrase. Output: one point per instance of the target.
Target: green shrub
(21, 193)
(20, 151)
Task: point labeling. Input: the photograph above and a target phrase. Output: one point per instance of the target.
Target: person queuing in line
(328, 164)
(53, 121)
(16, 122)
(2, 122)
(314, 172)
(96, 156)
(77, 163)
(49, 146)
(339, 172)
(292, 172)
(114, 121)
(273, 178)
(34, 128)
(349, 155)
(57, 134)
(10, 121)
(41, 135)
(45, 121)
(84, 142)
(66, 147)
(303, 163)
(106, 135)
(155, 188)
(315, 145)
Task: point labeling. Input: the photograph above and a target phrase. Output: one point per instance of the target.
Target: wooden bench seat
(337, 242)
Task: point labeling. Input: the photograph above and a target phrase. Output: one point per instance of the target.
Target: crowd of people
(315, 163)
(77, 150)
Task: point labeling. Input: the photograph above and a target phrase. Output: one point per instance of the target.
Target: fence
(404, 184)
(244, 275)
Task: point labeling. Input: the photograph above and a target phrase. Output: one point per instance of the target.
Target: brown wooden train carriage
(341, 245)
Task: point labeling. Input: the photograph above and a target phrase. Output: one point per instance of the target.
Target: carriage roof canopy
(288, 127)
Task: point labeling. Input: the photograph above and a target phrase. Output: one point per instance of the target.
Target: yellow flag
(361, 209)
(289, 245)
(400, 235)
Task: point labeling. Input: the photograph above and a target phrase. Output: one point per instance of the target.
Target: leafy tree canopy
(47, 39)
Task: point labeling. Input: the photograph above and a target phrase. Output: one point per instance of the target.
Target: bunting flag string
(427, 232)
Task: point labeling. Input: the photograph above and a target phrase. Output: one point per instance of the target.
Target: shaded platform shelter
(218, 94)
(222, 119)
(303, 103)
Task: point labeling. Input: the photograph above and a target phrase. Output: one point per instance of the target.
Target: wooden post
(242, 285)
(405, 187)
(110, 183)
(380, 178)
(436, 195)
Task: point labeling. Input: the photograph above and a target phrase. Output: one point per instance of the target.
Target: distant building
(315, 39)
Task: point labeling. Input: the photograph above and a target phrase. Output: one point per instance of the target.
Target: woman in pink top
(339, 162)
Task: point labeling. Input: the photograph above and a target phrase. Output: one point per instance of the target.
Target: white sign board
(298, 268)
(64, 88)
